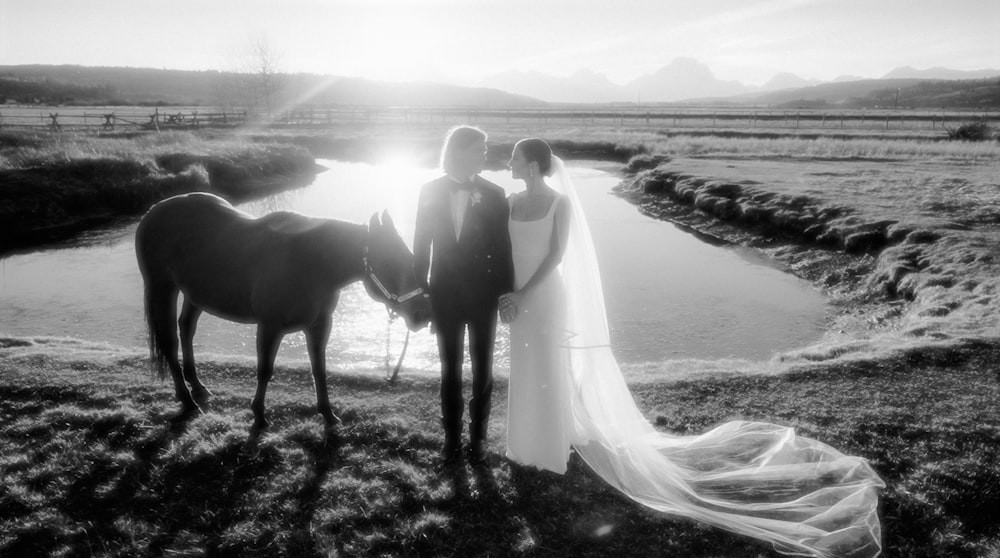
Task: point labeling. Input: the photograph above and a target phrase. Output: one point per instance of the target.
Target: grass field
(901, 235)
(92, 467)
(55, 185)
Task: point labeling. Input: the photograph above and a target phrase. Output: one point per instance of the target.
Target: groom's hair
(458, 138)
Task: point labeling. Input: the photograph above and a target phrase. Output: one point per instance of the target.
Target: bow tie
(468, 186)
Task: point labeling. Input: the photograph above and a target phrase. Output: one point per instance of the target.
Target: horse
(283, 271)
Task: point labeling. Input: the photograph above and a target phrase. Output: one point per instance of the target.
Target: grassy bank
(91, 466)
(905, 239)
(54, 185)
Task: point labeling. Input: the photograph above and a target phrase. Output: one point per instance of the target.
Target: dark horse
(283, 272)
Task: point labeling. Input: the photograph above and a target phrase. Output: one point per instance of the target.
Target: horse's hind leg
(188, 323)
(268, 340)
(162, 309)
(317, 336)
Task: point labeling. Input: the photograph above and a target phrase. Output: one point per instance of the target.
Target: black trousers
(451, 326)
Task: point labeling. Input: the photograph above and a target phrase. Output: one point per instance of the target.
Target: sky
(463, 41)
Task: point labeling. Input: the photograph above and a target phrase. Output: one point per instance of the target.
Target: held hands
(509, 306)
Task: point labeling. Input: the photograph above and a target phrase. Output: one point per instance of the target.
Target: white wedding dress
(539, 417)
(566, 388)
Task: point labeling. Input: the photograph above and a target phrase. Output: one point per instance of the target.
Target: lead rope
(391, 377)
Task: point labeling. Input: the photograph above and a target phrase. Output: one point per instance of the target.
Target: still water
(669, 295)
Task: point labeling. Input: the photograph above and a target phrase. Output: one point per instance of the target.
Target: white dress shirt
(459, 204)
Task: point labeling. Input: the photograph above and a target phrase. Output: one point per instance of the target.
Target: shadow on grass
(97, 471)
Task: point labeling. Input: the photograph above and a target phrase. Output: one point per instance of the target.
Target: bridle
(392, 302)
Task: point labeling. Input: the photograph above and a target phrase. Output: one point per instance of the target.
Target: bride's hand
(507, 314)
(508, 308)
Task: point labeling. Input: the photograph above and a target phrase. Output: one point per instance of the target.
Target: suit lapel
(471, 211)
(446, 216)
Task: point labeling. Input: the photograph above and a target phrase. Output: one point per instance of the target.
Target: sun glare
(398, 158)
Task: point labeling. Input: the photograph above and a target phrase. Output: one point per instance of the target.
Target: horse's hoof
(201, 395)
(260, 425)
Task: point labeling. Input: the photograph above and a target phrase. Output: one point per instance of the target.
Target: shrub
(645, 161)
(972, 131)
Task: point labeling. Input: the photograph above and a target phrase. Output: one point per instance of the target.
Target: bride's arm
(557, 246)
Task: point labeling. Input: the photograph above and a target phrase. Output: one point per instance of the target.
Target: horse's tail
(160, 305)
(157, 333)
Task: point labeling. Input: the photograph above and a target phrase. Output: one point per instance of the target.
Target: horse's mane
(290, 222)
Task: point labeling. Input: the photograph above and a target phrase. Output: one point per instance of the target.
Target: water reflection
(669, 294)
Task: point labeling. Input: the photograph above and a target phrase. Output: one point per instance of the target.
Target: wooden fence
(653, 118)
(92, 119)
(71, 118)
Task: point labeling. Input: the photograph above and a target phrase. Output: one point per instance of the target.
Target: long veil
(756, 479)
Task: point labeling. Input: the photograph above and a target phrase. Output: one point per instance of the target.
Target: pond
(669, 294)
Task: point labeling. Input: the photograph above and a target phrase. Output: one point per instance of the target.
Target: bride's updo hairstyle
(458, 138)
(536, 151)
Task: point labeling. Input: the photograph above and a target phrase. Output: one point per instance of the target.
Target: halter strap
(390, 297)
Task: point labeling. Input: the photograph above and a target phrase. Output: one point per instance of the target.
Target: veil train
(752, 478)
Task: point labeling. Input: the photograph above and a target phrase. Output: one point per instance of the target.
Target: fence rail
(96, 118)
(92, 118)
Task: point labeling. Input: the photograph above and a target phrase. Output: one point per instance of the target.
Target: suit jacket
(477, 267)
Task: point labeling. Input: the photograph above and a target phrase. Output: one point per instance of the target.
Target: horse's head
(389, 275)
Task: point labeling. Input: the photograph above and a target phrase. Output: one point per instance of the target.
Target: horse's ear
(387, 220)
(374, 225)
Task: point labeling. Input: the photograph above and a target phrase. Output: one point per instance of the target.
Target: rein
(392, 301)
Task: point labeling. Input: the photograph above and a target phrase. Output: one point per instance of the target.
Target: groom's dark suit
(467, 276)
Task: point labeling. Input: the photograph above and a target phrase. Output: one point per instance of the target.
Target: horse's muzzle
(416, 312)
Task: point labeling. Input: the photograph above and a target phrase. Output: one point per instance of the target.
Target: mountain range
(686, 79)
(683, 81)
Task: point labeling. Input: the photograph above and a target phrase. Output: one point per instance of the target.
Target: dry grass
(92, 467)
(908, 247)
(55, 185)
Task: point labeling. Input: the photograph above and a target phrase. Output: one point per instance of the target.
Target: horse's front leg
(268, 340)
(317, 336)
(188, 323)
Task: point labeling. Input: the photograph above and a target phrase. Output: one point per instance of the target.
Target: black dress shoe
(451, 454)
(477, 454)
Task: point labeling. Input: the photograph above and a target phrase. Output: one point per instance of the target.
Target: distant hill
(871, 93)
(686, 80)
(582, 87)
(908, 72)
(86, 85)
(683, 80)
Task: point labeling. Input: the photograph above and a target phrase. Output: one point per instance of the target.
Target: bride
(567, 391)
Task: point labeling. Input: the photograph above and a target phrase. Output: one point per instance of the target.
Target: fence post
(154, 119)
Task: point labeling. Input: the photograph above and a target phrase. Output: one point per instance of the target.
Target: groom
(461, 237)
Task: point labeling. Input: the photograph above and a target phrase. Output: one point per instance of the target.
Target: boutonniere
(476, 197)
